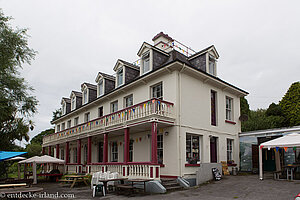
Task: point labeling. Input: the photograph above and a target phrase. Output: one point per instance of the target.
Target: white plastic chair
(95, 181)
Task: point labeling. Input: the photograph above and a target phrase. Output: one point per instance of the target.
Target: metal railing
(144, 109)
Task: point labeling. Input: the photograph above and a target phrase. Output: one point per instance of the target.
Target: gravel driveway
(230, 187)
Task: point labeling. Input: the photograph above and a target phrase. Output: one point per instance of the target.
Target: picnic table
(73, 179)
(105, 181)
(289, 170)
(139, 181)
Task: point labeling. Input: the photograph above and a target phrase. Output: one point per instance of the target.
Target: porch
(123, 142)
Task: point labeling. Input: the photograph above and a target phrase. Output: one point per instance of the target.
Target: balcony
(153, 109)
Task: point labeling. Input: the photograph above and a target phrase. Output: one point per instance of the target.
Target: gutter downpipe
(179, 119)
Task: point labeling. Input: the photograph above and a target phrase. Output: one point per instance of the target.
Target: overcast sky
(258, 42)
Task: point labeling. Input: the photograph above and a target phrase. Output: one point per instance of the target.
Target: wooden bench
(74, 181)
(65, 180)
(27, 181)
(276, 174)
(124, 187)
(12, 185)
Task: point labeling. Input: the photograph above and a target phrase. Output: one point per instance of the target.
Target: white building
(162, 116)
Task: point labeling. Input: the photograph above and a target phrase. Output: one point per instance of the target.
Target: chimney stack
(163, 41)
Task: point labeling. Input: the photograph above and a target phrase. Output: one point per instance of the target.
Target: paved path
(231, 187)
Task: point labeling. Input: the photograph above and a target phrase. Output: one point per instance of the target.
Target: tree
(258, 120)
(38, 139)
(244, 109)
(56, 114)
(290, 105)
(244, 106)
(33, 149)
(17, 105)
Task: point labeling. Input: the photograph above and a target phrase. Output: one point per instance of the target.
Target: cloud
(257, 41)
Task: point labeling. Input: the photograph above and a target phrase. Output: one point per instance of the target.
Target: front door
(213, 150)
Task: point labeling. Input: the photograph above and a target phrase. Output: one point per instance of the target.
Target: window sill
(230, 122)
(192, 165)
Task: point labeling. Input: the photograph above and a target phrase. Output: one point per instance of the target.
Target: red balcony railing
(144, 109)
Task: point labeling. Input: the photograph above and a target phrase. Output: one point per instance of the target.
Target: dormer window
(212, 66)
(73, 103)
(100, 88)
(85, 96)
(120, 77)
(63, 107)
(145, 63)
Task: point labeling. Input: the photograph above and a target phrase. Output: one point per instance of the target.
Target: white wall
(192, 115)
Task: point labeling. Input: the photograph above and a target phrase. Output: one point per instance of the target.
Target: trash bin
(234, 171)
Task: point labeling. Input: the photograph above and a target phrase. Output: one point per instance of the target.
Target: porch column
(57, 150)
(154, 143)
(67, 153)
(49, 151)
(79, 151)
(43, 151)
(126, 145)
(105, 150)
(89, 159)
(260, 163)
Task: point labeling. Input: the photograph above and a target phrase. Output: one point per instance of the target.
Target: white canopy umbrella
(49, 159)
(40, 160)
(29, 160)
(290, 140)
(16, 158)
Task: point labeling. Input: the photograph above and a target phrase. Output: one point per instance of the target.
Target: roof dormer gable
(105, 83)
(125, 72)
(76, 100)
(65, 105)
(89, 92)
(211, 50)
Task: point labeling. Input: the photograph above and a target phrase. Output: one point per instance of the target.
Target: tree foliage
(17, 105)
(33, 149)
(284, 114)
(290, 105)
(56, 114)
(244, 106)
(38, 139)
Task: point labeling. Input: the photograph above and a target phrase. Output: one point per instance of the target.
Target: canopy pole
(34, 173)
(25, 169)
(19, 175)
(260, 163)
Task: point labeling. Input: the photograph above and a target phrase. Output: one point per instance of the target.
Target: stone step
(167, 184)
(172, 188)
(165, 180)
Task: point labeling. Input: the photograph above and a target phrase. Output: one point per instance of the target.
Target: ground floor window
(131, 151)
(160, 154)
(100, 151)
(229, 149)
(114, 152)
(75, 155)
(192, 148)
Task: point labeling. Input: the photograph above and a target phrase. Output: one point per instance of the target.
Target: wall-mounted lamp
(166, 133)
(148, 135)
(210, 136)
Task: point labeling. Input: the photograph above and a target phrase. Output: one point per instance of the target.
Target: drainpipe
(179, 117)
